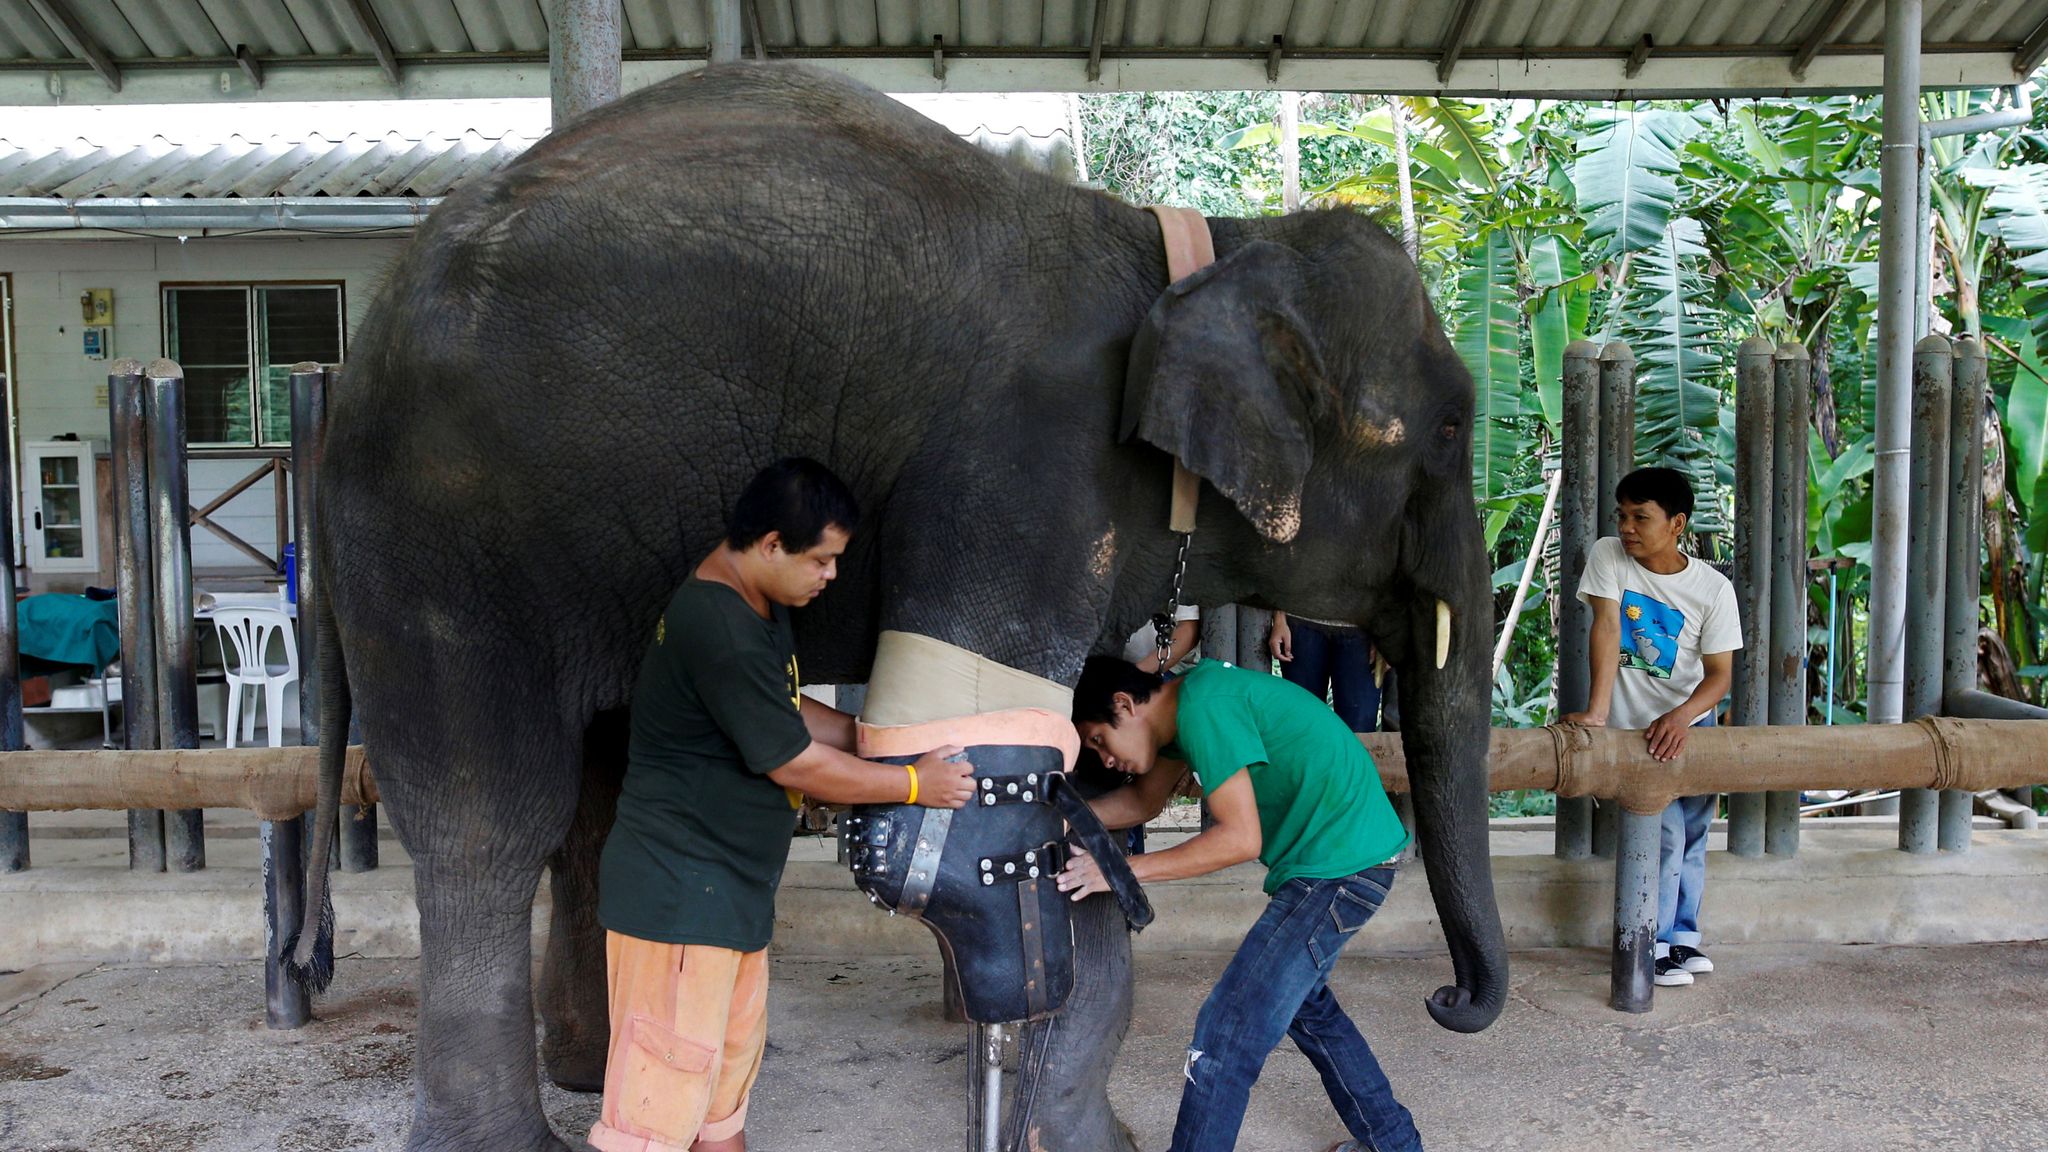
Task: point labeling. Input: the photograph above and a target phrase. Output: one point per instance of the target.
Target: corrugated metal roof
(351, 184)
(1212, 38)
(354, 166)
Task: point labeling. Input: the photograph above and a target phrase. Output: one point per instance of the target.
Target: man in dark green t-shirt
(723, 745)
(1288, 784)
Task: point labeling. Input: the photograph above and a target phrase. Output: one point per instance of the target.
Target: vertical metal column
(1578, 525)
(725, 31)
(1926, 563)
(1617, 459)
(1792, 401)
(584, 50)
(14, 855)
(285, 1004)
(1755, 391)
(1617, 425)
(1898, 256)
(1219, 632)
(177, 650)
(135, 592)
(1964, 582)
(1254, 629)
(1630, 987)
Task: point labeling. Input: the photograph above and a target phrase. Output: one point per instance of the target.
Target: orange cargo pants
(688, 1025)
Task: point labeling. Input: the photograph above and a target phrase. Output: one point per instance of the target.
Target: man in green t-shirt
(1289, 785)
(723, 745)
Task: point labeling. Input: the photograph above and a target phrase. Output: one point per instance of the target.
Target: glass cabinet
(59, 506)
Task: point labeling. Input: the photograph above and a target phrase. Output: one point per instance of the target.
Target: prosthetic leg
(981, 877)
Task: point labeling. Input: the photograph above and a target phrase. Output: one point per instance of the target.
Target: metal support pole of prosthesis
(1578, 526)
(1964, 581)
(985, 1088)
(177, 646)
(1926, 564)
(1630, 987)
(135, 594)
(1755, 388)
(1792, 401)
(1617, 459)
(14, 855)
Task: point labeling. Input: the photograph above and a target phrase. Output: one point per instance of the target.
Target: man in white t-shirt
(1665, 631)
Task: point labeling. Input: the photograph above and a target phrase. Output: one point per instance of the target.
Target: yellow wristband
(912, 769)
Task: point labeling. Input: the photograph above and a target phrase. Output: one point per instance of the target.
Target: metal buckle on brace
(1026, 789)
(1045, 860)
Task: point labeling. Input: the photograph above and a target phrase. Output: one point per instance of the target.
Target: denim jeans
(1278, 985)
(1336, 665)
(1682, 867)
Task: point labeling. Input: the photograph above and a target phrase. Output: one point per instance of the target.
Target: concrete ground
(1810, 1047)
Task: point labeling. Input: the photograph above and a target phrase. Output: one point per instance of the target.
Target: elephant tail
(307, 958)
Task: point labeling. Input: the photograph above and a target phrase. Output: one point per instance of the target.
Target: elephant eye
(1450, 429)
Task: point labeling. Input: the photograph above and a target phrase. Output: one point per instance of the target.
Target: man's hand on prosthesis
(945, 778)
(1082, 877)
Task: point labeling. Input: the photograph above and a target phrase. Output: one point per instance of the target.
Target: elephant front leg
(1062, 1100)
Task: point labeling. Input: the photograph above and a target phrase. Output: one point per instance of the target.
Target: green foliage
(1489, 341)
(1681, 228)
(1669, 321)
(1625, 178)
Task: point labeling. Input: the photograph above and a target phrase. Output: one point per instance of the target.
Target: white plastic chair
(250, 631)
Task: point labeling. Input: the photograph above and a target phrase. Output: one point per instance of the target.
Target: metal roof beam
(1639, 57)
(1095, 40)
(1825, 29)
(77, 40)
(1454, 40)
(2032, 51)
(363, 18)
(251, 67)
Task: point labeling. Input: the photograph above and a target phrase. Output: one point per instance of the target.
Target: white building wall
(60, 391)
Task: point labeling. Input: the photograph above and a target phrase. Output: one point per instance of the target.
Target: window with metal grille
(237, 344)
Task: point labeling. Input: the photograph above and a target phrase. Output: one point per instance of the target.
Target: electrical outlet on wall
(99, 395)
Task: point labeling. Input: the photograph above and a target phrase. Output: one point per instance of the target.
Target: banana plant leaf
(1559, 319)
(1489, 341)
(1669, 322)
(1624, 178)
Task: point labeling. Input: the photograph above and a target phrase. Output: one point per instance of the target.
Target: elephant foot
(452, 1140)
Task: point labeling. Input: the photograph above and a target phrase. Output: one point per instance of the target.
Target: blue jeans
(1278, 985)
(1336, 665)
(1682, 867)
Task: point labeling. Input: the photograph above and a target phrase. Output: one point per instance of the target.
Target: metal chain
(1163, 623)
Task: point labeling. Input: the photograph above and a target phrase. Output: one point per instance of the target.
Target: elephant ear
(1224, 376)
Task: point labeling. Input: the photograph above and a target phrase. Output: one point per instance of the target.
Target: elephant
(581, 358)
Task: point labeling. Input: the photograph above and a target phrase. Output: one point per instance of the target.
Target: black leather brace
(981, 878)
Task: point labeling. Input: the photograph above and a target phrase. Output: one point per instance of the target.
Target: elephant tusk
(1443, 633)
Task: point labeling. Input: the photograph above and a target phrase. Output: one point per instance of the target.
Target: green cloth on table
(65, 629)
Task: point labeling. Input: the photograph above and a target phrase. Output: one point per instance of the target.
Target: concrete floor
(1809, 1047)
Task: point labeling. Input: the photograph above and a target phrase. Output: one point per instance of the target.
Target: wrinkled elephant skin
(582, 357)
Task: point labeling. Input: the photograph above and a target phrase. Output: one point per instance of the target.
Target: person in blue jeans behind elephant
(1331, 660)
(1662, 651)
(1288, 784)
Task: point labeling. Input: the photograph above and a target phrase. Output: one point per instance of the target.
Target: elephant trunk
(1446, 717)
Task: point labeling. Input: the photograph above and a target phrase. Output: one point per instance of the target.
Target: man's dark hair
(797, 497)
(1102, 677)
(1666, 487)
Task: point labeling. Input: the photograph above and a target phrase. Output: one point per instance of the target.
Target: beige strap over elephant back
(917, 679)
(1189, 249)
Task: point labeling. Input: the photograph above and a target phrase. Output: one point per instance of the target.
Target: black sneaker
(1691, 959)
(1670, 973)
